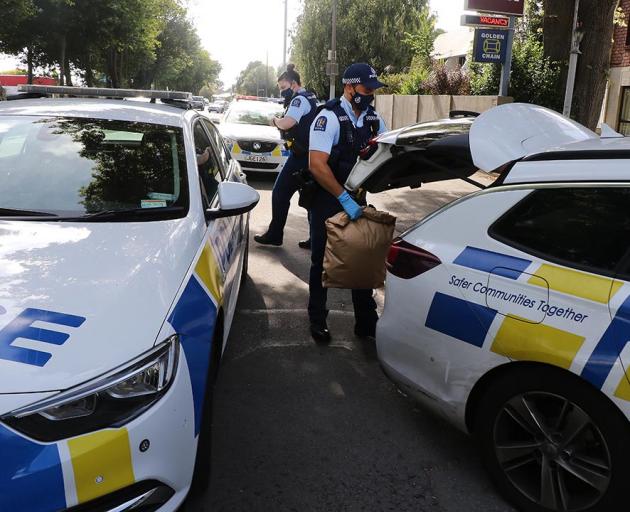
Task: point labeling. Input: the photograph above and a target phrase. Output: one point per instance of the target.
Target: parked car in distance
(247, 131)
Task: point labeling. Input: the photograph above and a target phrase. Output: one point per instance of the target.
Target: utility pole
(506, 68)
(284, 34)
(332, 54)
(576, 39)
(266, 74)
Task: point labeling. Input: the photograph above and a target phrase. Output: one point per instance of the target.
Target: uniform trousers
(325, 206)
(283, 189)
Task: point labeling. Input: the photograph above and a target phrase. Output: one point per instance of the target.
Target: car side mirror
(234, 199)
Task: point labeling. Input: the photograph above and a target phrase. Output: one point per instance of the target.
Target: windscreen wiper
(128, 214)
(15, 212)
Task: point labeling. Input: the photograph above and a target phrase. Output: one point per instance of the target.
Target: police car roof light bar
(106, 92)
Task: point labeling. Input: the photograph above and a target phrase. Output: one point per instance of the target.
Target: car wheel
(201, 477)
(550, 441)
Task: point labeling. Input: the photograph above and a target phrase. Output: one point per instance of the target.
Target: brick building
(617, 113)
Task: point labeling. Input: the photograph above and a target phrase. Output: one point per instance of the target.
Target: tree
(596, 19)
(256, 79)
(118, 43)
(367, 30)
(17, 34)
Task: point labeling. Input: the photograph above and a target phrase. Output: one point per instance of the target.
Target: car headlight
(108, 401)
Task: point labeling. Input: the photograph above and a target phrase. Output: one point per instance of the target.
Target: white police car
(508, 311)
(122, 246)
(256, 144)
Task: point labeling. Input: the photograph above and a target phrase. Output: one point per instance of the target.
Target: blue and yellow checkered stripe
(524, 340)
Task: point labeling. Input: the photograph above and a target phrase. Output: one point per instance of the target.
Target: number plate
(256, 158)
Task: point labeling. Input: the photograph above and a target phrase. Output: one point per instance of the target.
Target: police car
(123, 242)
(508, 311)
(256, 144)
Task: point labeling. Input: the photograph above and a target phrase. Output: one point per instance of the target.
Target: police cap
(361, 73)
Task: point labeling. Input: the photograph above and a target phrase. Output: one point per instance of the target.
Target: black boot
(266, 239)
(365, 331)
(320, 332)
(305, 244)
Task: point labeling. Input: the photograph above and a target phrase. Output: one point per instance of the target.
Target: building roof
(453, 44)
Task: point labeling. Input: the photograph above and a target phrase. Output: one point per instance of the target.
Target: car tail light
(405, 260)
(367, 152)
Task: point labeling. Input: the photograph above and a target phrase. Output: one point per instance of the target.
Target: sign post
(493, 45)
(490, 45)
(507, 64)
(484, 20)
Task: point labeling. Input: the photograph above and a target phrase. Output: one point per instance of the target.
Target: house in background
(617, 103)
(453, 47)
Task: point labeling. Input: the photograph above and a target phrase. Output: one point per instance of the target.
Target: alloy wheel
(552, 451)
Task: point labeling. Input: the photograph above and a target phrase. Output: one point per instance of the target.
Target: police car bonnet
(510, 132)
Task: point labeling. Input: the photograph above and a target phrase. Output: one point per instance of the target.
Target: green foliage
(447, 81)
(257, 80)
(367, 31)
(120, 43)
(411, 82)
(421, 41)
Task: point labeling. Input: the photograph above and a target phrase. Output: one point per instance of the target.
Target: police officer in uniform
(338, 134)
(284, 84)
(295, 126)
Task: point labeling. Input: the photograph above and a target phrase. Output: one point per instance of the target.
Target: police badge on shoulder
(320, 124)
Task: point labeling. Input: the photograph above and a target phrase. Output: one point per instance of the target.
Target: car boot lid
(509, 132)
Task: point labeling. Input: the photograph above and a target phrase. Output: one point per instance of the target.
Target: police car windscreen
(72, 166)
(260, 113)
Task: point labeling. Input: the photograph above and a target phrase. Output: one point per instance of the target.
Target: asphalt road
(302, 427)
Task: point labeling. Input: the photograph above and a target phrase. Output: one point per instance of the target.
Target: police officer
(295, 124)
(284, 84)
(338, 134)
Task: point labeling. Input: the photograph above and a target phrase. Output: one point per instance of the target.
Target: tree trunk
(68, 74)
(557, 25)
(594, 62)
(596, 21)
(62, 60)
(89, 73)
(29, 65)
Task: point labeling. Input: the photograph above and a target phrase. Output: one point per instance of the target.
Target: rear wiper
(14, 212)
(128, 214)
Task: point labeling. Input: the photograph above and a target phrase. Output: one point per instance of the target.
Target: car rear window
(75, 166)
(585, 228)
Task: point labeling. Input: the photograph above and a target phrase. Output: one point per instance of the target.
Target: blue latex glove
(351, 207)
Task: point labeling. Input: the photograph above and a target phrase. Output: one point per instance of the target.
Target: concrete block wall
(403, 110)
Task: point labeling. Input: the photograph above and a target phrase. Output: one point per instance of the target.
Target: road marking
(343, 344)
(287, 311)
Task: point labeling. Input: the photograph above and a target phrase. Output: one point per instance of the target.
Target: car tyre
(201, 476)
(550, 441)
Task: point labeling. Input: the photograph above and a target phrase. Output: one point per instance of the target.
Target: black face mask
(362, 101)
(287, 94)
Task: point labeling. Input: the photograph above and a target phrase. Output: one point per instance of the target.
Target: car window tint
(586, 228)
(209, 170)
(72, 166)
(223, 153)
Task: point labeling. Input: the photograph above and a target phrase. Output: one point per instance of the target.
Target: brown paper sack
(356, 250)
